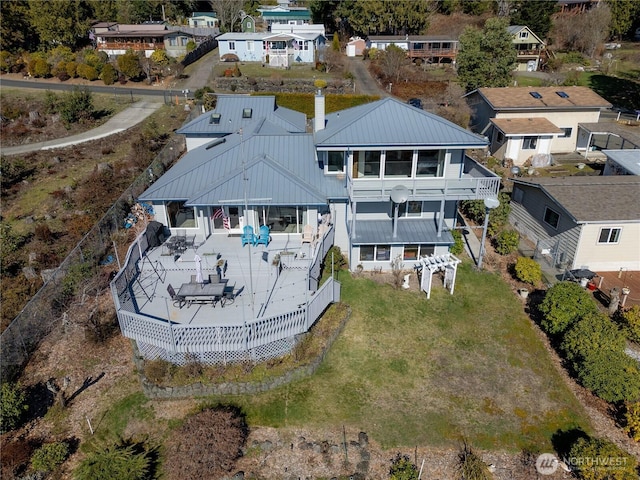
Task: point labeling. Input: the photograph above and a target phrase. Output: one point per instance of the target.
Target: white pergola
(446, 263)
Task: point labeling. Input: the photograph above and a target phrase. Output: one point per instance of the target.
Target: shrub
(76, 105)
(199, 93)
(12, 406)
(564, 304)
(215, 436)
(630, 322)
(599, 459)
(612, 375)
(498, 217)
(191, 45)
(129, 65)
(506, 242)
(402, 468)
(528, 270)
(87, 71)
(156, 371)
(109, 74)
(49, 457)
(72, 69)
(593, 333)
(160, 57)
(320, 83)
(632, 420)
(236, 71)
(470, 466)
(41, 68)
(133, 461)
(339, 260)
(51, 102)
(458, 244)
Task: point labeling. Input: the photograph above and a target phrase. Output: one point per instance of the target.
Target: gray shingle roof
(230, 108)
(389, 122)
(593, 198)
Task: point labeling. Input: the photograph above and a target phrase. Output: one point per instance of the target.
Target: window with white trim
(567, 132)
(377, 253)
(232, 45)
(523, 34)
(181, 216)
(335, 162)
(551, 217)
(397, 163)
(413, 252)
(609, 235)
(529, 143)
(430, 163)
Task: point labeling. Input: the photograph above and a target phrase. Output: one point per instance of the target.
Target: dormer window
(247, 112)
(215, 118)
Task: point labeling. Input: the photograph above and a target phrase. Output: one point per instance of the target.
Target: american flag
(226, 222)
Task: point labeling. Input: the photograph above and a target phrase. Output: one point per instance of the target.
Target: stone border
(153, 391)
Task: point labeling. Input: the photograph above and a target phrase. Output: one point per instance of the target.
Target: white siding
(603, 257)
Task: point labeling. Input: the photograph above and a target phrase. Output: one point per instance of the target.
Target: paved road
(118, 123)
(365, 83)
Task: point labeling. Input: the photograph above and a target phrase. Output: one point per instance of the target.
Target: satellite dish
(399, 194)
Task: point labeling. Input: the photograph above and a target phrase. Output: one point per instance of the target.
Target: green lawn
(256, 70)
(411, 371)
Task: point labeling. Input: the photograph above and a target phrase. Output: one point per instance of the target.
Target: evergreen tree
(535, 15)
(486, 57)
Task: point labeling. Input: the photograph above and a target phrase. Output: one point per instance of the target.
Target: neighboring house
(581, 221)
(356, 47)
(304, 28)
(521, 122)
(274, 49)
(248, 24)
(622, 162)
(203, 19)
(234, 112)
(115, 39)
(348, 167)
(284, 14)
(428, 48)
(529, 47)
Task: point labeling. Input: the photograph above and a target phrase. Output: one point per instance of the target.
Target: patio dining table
(201, 292)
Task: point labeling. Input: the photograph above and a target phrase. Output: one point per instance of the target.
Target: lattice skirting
(275, 349)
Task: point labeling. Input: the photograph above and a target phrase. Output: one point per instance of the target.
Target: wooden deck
(624, 278)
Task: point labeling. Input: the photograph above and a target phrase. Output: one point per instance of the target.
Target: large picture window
(430, 163)
(378, 253)
(366, 164)
(180, 216)
(397, 163)
(413, 252)
(551, 217)
(609, 235)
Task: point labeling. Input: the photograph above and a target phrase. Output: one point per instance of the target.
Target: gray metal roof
(628, 159)
(410, 230)
(260, 36)
(282, 168)
(231, 107)
(389, 122)
(587, 199)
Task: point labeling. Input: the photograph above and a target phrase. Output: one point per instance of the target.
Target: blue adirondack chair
(248, 237)
(263, 237)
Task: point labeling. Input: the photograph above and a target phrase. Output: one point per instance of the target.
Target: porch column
(353, 219)
(441, 218)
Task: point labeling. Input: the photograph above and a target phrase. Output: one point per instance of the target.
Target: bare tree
(585, 32)
(332, 59)
(228, 12)
(392, 60)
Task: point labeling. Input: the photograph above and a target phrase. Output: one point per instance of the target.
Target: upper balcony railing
(477, 183)
(431, 52)
(135, 46)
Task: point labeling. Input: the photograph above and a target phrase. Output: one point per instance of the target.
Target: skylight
(215, 118)
(535, 94)
(563, 94)
(246, 112)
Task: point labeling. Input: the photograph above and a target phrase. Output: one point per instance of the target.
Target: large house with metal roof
(581, 221)
(347, 167)
(521, 122)
(380, 180)
(273, 49)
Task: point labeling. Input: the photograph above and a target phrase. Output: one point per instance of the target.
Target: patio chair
(307, 234)
(178, 301)
(248, 237)
(228, 297)
(264, 237)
